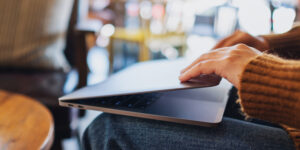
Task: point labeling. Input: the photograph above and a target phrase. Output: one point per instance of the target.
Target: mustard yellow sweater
(270, 85)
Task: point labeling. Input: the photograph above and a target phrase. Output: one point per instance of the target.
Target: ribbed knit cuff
(270, 90)
(286, 45)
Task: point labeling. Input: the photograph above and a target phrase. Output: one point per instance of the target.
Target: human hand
(227, 62)
(244, 38)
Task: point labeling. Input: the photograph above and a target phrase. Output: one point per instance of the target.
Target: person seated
(266, 72)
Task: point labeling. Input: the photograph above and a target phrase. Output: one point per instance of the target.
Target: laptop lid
(145, 77)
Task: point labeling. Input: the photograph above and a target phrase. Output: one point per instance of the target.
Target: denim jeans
(115, 132)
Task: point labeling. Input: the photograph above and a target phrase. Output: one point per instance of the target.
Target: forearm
(286, 45)
(270, 90)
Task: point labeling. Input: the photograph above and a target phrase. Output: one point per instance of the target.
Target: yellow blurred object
(135, 36)
(142, 37)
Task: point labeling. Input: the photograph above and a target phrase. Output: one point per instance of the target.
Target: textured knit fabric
(32, 33)
(270, 86)
(286, 45)
(116, 132)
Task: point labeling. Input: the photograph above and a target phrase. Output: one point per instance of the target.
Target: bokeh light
(107, 30)
(283, 19)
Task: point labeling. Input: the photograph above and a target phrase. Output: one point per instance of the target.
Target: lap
(128, 133)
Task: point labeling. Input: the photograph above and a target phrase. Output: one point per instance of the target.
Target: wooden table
(24, 123)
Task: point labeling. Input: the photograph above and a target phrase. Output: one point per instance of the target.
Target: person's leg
(110, 132)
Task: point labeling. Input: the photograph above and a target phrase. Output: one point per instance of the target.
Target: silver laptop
(152, 90)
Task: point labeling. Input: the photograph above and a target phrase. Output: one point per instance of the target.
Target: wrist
(244, 66)
(264, 43)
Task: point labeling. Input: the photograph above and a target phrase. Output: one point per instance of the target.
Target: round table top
(24, 123)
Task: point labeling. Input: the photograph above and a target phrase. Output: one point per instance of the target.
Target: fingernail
(181, 78)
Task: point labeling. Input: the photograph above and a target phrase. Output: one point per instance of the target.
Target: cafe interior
(50, 48)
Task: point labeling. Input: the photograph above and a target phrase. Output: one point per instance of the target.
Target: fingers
(203, 67)
(237, 37)
(233, 41)
(226, 41)
(221, 43)
(202, 57)
(210, 55)
(220, 46)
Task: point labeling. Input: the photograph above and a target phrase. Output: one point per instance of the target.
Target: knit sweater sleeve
(270, 90)
(286, 45)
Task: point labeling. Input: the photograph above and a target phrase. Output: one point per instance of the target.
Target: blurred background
(141, 30)
(50, 48)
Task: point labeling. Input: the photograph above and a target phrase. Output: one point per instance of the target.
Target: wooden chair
(47, 86)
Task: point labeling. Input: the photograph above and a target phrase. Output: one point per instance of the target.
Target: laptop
(152, 90)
